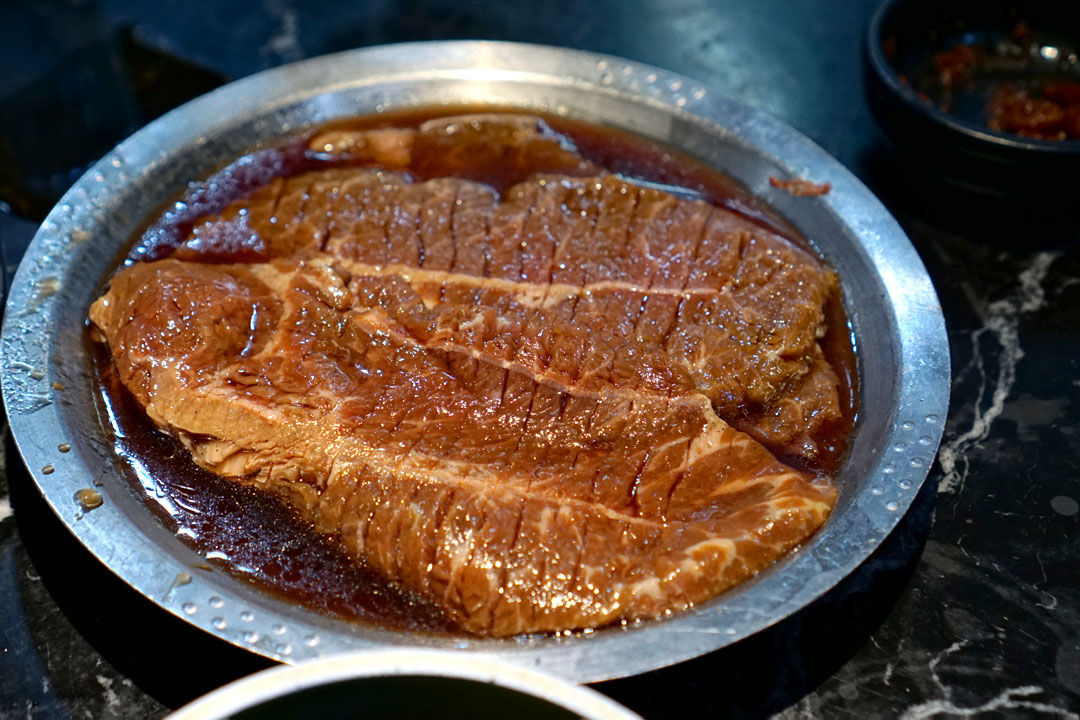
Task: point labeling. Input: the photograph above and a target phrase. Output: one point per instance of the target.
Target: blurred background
(81, 76)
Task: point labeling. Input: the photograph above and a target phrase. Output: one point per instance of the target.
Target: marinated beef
(582, 273)
(528, 407)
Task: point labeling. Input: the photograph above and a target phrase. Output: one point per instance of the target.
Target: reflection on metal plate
(903, 351)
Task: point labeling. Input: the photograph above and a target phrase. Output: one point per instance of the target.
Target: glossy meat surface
(527, 408)
(695, 295)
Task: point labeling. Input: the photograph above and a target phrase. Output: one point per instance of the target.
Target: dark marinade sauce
(255, 536)
(249, 532)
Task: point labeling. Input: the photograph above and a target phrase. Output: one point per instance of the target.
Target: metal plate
(902, 347)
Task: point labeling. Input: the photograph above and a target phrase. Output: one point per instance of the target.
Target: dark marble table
(970, 608)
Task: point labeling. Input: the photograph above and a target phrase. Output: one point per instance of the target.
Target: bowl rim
(884, 71)
(275, 683)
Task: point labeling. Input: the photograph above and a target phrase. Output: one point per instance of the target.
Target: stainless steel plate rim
(896, 318)
(275, 683)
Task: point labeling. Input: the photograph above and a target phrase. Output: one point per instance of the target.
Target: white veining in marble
(890, 666)
(111, 698)
(1051, 601)
(1010, 699)
(1001, 319)
(5, 501)
(285, 45)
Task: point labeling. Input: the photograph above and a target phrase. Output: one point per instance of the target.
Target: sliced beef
(518, 503)
(541, 395)
(595, 282)
(497, 149)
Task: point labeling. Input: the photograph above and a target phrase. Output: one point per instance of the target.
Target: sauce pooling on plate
(289, 227)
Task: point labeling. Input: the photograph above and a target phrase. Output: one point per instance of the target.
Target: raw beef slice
(514, 406)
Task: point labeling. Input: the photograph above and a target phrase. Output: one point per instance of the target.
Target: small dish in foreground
(398, 685)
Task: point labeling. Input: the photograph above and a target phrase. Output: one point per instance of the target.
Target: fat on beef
(548, 408)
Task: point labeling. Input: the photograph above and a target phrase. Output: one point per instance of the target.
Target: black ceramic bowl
(945, 136)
